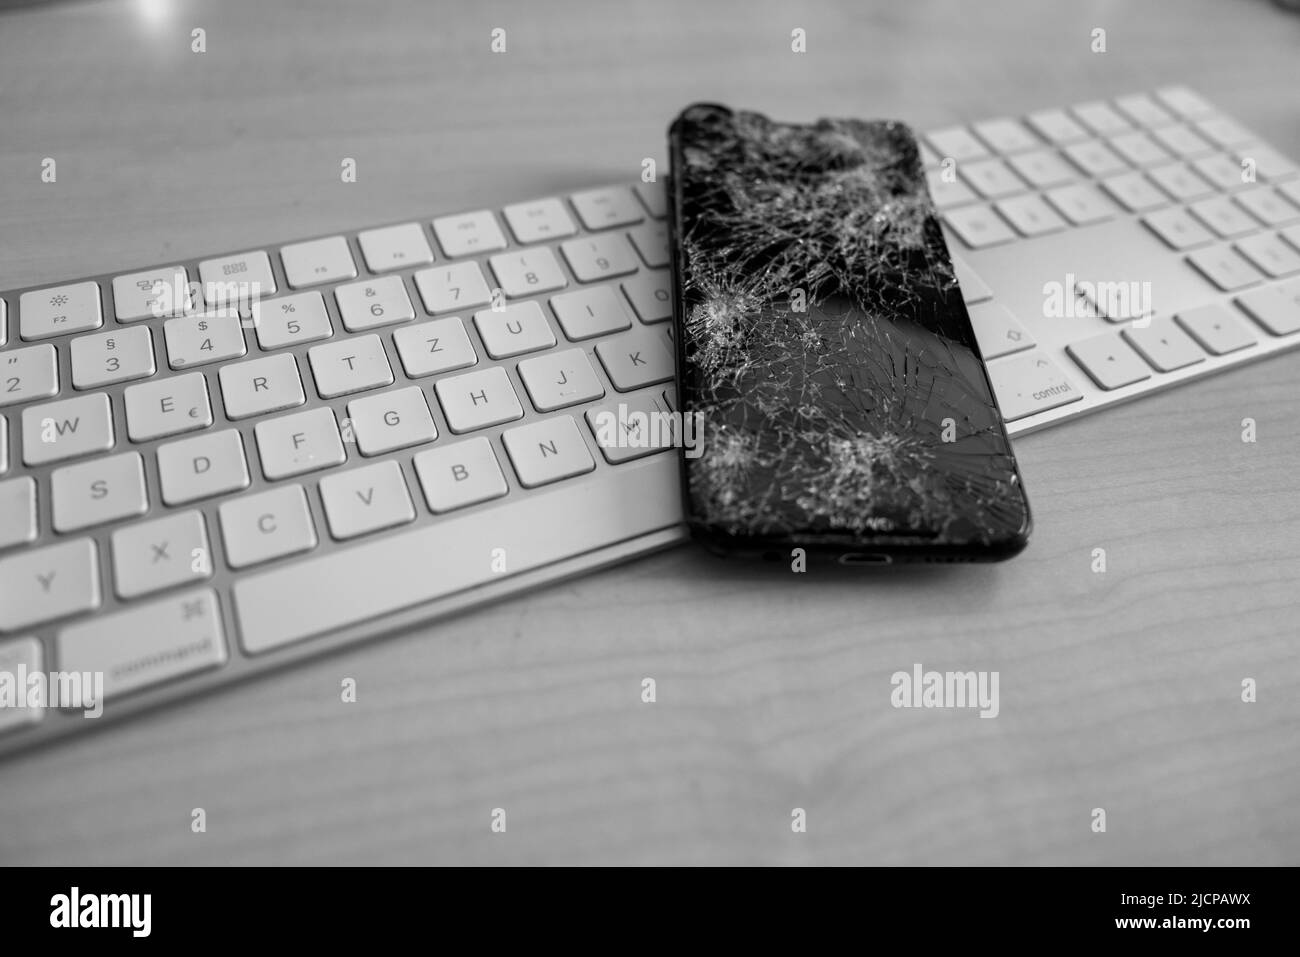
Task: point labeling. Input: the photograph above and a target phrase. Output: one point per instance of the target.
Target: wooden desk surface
(1118, 690)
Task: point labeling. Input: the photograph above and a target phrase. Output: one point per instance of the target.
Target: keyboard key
(365, 500)
(1222, 171)
(202, 467)
(302, 442)
(67, 429)
(1164, 345)
(1139, 149)
(547, 451)
(1216, 329)
(1030, 215)
(27, 374)
(350, 365)
(237, 281)
(103, 490)
(1178, 229)
(26, 654)
(1109, 361)
(604, 208)
(1184, 102)
(948, 191)
(1056, 126)
(394, 247)
(651, 241)
(17, 511)
(1223, 131)
(560, 379)
(267, 525)
(107, 357)
(1225, 268)
(654, 197)
(1270, 255)
(468, 233)
(373, 302)
(1081, 203)
(634, 427)
(599, 257)
(1030, 383)
(1275, 307)
(152, 294)
(997, 331)
(636, 359)
(175, 405)
(1143, 110)
(527, 272)
(958, 143)
(1224, 216)
(59, 310)
(539, 220)
(1100, 118)
(393, 420)
(1267, 206)
(135, 649)
(1182, 141)
(39, 585)
(438, 345)
(455, 476)
(517, 329)
(1006, 136)
(973, 288)
(317, 261)
(161, 553)
(1180, 182)
(476, 400)
(1135, 192)
(651, 296)
(291, 320)
(587, 313)
(992, 178)
(258, 386)
(452, 288)
(978, 226)
(1044, 168)
(1095, 158)
(200, 340)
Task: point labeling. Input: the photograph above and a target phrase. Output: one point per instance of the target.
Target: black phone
(824, 353)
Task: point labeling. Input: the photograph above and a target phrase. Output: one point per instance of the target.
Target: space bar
(358, 583)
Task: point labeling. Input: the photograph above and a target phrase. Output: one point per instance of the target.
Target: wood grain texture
(1118, 690)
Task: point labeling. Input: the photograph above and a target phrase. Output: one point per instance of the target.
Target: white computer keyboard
(197, 484)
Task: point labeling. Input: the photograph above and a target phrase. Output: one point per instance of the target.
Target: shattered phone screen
(825, 352)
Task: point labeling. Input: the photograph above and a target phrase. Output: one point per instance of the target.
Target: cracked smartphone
(825, 357)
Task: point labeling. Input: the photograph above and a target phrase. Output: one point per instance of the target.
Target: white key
(586, 313)
(1180, 182)
(373, 302)
(152, 294)
(599, 257)
(973, 288)
(162, 553)
(39, 585)
(394, 247)
(547, 451)
(1044, 168)
(651, 296)
(17, 511)
(1164, 345)
(539, 220)
(651, 241)
(66, 429)
(1030, 383)
(1135, 192)
(978, 226)
(1109, 361)
(997, 331)
(27, 654)
(455, 476)
(1223, 216)
(1006, 136)
(1081, 203)
(1139, 149)
(654, 196)
(929, 159)
(478, 399)
(393, 420)
(1182, 141)
(298, 443)
(519, 328)
(236, 281)
(560, 379)
(350, 365)
(1267, 206)
(636, 359)
(147, 645)
(438, 345)
(1224, 132)
(317, 261)
(258, 528)
(1216, 329)
(946, 190)
(1095, 158)
(992, 178)
(452, 288)
(203, 339)
(956, 142)
(1270, 255)
(603, 208)
(1178, 229)
(108, 357)
(202, 467)
(634, 427)
(26, 374)
(291, 320)
(1100, 118)
(103, 490)
(1056, 125)
(1225, 268)
(1184, 102)
(59, 310)
(261, 385)
(468, 233)
(1030, 215)
(1222, 171)
(175, 405)
(1143, 110)
(365, 500)
(1275, 307)
(526, 272)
